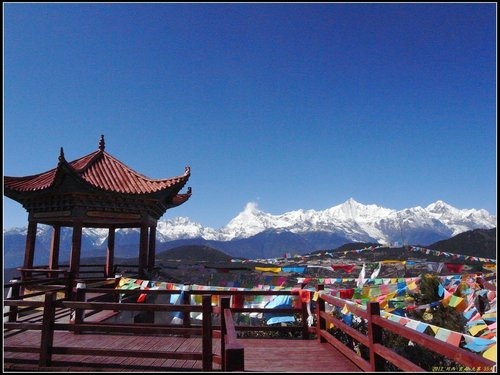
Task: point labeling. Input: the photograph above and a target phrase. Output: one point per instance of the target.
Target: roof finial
(61, 155)
(101, 143)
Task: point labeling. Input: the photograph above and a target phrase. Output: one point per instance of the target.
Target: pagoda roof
(98, 170)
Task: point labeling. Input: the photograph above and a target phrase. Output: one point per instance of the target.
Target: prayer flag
(491, 353)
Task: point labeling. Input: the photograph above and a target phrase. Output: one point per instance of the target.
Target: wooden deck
(261, 355)
(294, 355)
(61, 362)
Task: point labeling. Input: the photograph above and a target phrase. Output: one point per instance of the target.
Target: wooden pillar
(152, 247)
(29, 252)
(76, 246)
(143, 249)
(110, 253)
(54, 247)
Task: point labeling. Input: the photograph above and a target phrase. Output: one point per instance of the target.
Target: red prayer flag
(346, 293)
(304, 295)
(237, 300)
(346, 267)
(454, 267)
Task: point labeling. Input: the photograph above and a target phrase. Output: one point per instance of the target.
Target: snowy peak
(250, 215)
(350, 220)
(353, 210)
(441, 208)
(359, 222)
(183, 228)
(247, 223)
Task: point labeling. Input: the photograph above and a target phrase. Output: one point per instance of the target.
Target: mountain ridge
(257, 234)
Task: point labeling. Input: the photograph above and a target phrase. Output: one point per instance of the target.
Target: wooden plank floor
(15, 361)
(294, 355)
(261, 355)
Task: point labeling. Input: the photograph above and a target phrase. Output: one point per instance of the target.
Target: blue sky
(287, 105)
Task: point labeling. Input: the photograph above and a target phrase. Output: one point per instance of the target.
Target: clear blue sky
(287, 105)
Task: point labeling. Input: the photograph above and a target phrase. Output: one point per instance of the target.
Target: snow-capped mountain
(354, 220)
(308, 230)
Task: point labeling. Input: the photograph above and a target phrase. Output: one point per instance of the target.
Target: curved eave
(179, 199)
(16, 187)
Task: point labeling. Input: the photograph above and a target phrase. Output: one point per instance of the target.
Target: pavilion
(95, 191)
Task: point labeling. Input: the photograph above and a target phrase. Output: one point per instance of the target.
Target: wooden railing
(101, 297)
(378, 352)
(78, 324)
(94, 301)
(300, 309)
(27, 293)
(232, 355)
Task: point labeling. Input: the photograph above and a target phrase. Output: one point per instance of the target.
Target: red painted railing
(378, 352)
(231, 356)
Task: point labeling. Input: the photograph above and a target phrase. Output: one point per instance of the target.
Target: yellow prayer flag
(365, 292)
(489, 315)
(384, 303)
(268, 269)
(491, 353)
(412, 286)
(197, 299)
(315, 296)
(475, 329)
(345, 310)
(490, 266)
(391, 295)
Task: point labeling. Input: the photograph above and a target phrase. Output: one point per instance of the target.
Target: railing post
(232, 353)
(207, 332)
(304, 313)
(186, 300)
(305, 326)
(234, 359)
(320, 322)
(224, 304)
(374, 337)
(69, 285)
(13, 293)
(76, 317)
(47, 337)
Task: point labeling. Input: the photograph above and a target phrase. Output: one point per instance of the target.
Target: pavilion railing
(378, 351)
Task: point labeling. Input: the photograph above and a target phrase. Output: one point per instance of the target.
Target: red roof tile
(99, 170)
